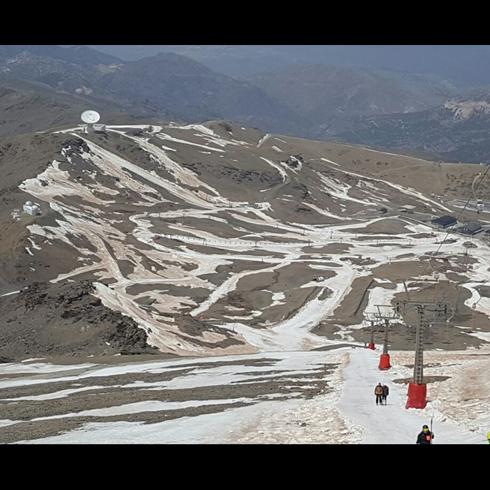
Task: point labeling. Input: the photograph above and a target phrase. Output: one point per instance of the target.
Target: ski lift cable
(451, 229)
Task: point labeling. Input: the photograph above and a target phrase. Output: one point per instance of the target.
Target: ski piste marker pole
(431, 420)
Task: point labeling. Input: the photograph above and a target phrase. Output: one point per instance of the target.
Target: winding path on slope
(390, 424)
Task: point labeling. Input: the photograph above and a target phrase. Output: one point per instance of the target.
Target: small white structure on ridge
(31, 208)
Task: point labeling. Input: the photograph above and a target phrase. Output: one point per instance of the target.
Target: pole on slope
(384, 360)
(417, 389)
(371, 343)
(431, 421)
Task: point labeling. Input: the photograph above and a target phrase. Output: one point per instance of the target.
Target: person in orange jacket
(378, 391)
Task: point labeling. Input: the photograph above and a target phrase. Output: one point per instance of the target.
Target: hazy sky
(469, 65)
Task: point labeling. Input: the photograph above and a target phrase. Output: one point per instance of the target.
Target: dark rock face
(77, 144)
(294, 161)
(65, 319)
(127, 337)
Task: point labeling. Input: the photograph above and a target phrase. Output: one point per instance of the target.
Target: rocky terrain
(215, 283)
(65, 319)
(218, 239)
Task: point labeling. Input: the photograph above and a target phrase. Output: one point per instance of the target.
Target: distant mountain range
(456, 131)
(165, 85)
(43, 86)
(330, 96)
(465, 65)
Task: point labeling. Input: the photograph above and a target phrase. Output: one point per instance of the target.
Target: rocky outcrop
(65, 319)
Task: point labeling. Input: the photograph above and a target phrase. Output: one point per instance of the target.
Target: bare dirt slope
(221, 239)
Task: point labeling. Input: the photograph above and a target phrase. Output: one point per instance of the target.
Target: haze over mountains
(389, 97)
(464, 65)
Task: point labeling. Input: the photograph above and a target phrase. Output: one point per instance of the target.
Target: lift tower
(427, 312)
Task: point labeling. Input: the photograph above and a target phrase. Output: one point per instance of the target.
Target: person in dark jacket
(426, 436)
(378, 391)
(386, 392)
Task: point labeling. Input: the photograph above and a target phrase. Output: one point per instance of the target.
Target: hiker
(378, 391)
(426, 436)
(386, 392)
(488, 437)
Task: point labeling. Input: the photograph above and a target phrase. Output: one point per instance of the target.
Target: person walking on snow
(426, 436)
(378, 391)
(386, 392)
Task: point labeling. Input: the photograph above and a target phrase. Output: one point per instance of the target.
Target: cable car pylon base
(417, 396)
(384, 362)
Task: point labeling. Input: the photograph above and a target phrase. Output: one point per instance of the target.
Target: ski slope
(393, 423)
(181, 239)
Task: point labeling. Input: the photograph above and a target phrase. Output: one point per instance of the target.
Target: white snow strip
(140, 407)
(263, 140)
(33, 243)
(199, 127)
(325, 213)
(167, 137)
(406, 190)
(281, 171)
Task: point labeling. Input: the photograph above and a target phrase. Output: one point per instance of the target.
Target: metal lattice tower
(418, 368)
(438, 312)
(387, 319)
(385, 342)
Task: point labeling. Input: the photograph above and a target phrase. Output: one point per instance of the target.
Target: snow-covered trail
(406, 190)
(230, 285)
(393, 423)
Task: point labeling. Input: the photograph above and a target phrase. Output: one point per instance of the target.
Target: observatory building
(90, 118)
(31, 208)
(99, 128)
